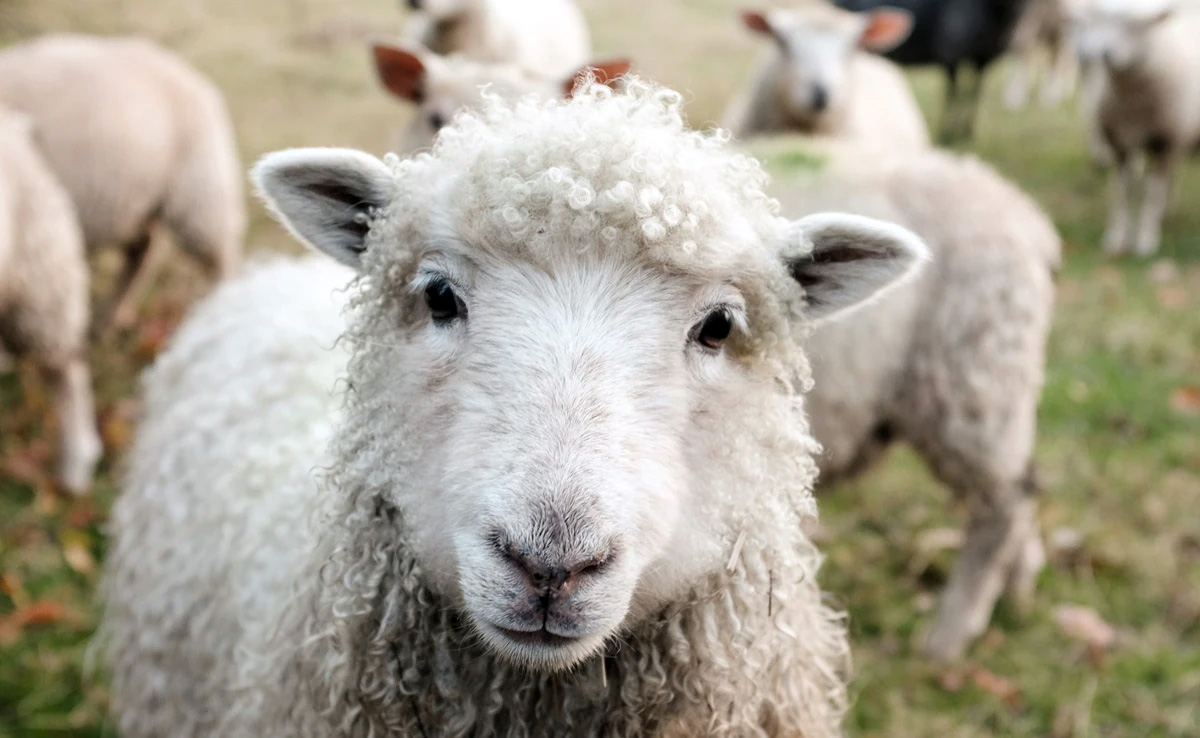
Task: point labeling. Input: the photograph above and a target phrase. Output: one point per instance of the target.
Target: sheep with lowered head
(440, 86)
(544, 37)
(821, 79)
(951, 362)
(563, 494)
(44, 292)
(139, 139)
(1148, 108)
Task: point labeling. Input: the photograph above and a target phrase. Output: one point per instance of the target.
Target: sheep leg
(997, 536)
(1016, 93)
(1160, 171)
(119, 310)
(79, 442)
(971, 104)
(946, 132)
(1121, 186)
(1062, 76)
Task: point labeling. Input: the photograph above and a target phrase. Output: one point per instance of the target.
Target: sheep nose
(820, 97)
(553, 579)
(414, 4)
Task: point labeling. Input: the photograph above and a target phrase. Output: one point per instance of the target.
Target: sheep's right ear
(325, 196)
(757, 21)
(886, 28)
(607, 72)
(401, 71)
(844, 260)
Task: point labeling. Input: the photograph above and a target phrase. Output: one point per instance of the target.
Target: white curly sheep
(440, 86)
(563, 492)
(547, 38)
(138, 138)
(44, 293)
(820, 78)
(951, 362)
(1147, 58)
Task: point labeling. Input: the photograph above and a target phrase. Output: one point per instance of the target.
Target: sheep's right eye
(444, 304)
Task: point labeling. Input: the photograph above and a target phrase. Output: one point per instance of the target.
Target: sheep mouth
(540, 637)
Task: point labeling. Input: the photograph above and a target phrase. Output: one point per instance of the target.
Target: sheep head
(815, 43)
(439, 86)
(578, 340)
(1117, 32)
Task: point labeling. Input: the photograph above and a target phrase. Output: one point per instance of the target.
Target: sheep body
(165, 153)
(1045, 25)
(44, 292)
(305, 588)
(951, 362)
(1148, 105)
(544, 37)
(863, 97)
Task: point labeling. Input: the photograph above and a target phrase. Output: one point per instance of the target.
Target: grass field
(1120, 419)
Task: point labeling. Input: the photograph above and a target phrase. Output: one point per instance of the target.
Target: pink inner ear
(756, 21)
(401, 72)
(607, 73)
(886, 29)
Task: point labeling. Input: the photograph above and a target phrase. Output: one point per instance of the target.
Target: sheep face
(1117, 32)
(578, 322)
(815, 45)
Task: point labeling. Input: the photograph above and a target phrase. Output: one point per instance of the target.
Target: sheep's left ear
(325, 196)
(886, 29)
(606, 72)
(852, 259)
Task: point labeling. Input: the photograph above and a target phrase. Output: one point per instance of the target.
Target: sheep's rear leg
(996, 539)
(120, 309)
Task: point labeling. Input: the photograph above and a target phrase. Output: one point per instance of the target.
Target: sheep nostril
(414, 4)
(820, 97)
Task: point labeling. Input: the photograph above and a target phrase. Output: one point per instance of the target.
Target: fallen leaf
(997, 686)
(1085, 624)
(116, 425)
(1173, 296)
(1186, 400)
(43, 612)
(76, 550)
(10, 584)
(23, 468)
(152, 336)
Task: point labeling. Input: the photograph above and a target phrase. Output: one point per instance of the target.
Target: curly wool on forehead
(617, 171)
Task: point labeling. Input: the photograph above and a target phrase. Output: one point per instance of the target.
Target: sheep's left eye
(436, 121)
(714, 329)
(444, 304)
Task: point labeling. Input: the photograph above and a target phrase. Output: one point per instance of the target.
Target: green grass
(1119, 447)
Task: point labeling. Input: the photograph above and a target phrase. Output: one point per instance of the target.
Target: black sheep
(955, 35)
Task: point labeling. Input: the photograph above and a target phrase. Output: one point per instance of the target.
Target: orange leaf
(43, 612)
(1186, 400)
(1085, 624)
(997, 686)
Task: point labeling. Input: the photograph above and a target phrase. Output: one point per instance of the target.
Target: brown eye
(714, 329)
(444, 304)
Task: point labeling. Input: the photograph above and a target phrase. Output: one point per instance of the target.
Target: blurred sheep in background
(44, 293)
(1043, 31)
(957, 35)
(138, 138)
(440, 86)
(951, 362)
(820, 78)
(1148, 107)
(546, 37)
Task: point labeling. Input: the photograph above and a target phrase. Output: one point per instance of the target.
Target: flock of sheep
(534, 451)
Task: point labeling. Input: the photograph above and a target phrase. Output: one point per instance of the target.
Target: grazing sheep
(957, 35)
(138, 138)
(1148, 106)
(440, 86)
(547, 38)
(1044, 26)
(951, 362)
(819, 81)
(44, 293)
(563, 495)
